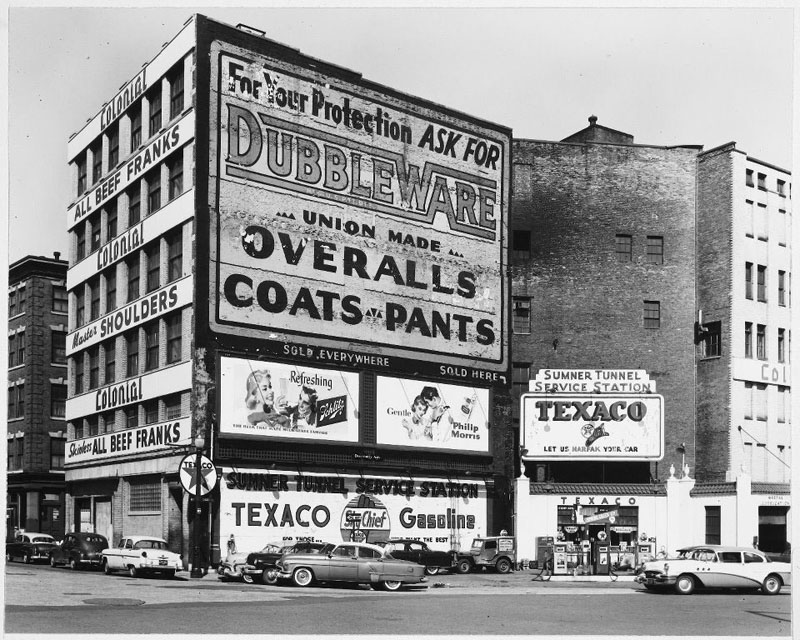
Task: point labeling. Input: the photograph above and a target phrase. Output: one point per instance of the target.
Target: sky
(699, 76)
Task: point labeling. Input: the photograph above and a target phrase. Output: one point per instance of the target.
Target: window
(520, 376)
(749, 177)
(175, 184)
(151, 412)
(652, 314)
(94, 237)
(172, 407)
(521, 315)
(781, 187)
(16, 401)
(655, 249)
(16, 451)
(135, 116)
(91, 426)
(713, 521)
(750, 218)
(748, 280)
(782, 227)
(57, 453)
(109, 420)
(782, 288)
(97, 162)
(134, 205)
(80, 236)
(174, 338)
(12, 303)
(16, 349)
(145, 496)
(153, 266)
(20, 347)
(711, 342)
(176, 91)
(60, 299)
(151, 346)
(94, 367)
(521, 244)
(761, 342)
(624, 247)
(154, 99)
(781, 345)
(21, 299)
(759, 401)
(81, 164)
(58, 347)
(111, 220)
(94, 298)
(761, 222)
(79, 373)
(58, 400)
(110, 353)
(132, 352)
(80, 305)
(175, 255)
(762, 181)
(783, 403)
(133, 276)
(131, 417)
(153, 180)
(111, 289)
(113, 145)
(748, 339)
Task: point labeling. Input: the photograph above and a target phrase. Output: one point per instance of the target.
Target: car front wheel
(684, 585)
(464, 566)
(133, 572)
(73, 564)
(269, 576)
(392, 585)
(247, 578)
(503, 565)
(52, 560)
(106, 568)
(302, 577)
(431, 571)
(772, 585)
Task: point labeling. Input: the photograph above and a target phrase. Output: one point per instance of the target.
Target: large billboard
(343, 215)
(261, 399)
(415, 413)
(281, 507)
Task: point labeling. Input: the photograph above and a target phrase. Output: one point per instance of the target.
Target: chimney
(57, 254)
(592, 120)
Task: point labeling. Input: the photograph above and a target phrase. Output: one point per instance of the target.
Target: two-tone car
(142, 555)
(79, 549)
(355, 562)
(30, 547)
(715, 567)
(417, 551)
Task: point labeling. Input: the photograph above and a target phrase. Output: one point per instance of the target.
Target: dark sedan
(419, 552)
(29, 547)
(261, 564)
(79, 549)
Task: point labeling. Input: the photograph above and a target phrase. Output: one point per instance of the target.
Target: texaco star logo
(191, 476)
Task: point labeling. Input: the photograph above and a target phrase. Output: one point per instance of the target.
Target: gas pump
(602, 552)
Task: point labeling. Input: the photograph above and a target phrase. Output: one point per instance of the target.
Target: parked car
(350, 562)
(140, 555)
(79, 549)
(497, 552)
(237, 565)
(416, 551)
(713, 567)
(29, 547)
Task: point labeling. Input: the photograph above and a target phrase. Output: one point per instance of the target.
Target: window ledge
(707, 358)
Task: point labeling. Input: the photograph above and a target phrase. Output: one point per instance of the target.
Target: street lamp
(197, 570)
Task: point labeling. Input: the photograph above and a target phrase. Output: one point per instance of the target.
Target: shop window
(58, 347)
(623, 245)
(145, 496)
(60, 299)
(655, 249)
(57, 453)
(521, 315)
(58, 400)
(652, 314)
(713, 524)
(521, 244)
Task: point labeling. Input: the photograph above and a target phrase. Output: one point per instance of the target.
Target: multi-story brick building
(272, 233)
(37, 394)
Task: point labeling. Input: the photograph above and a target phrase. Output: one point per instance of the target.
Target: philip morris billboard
(345, 214)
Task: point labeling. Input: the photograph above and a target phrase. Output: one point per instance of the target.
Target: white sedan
(716, 567)
(140, 555)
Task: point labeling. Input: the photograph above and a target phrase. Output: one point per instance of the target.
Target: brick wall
(587, 306)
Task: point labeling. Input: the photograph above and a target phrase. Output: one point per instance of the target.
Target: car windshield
(43, 539)
(327, 548)
(150, 544)
(271, 548)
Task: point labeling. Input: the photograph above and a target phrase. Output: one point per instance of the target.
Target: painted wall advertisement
(279, 507)
(269, 400)
(151, 437)
(345, 214)
(415, 413)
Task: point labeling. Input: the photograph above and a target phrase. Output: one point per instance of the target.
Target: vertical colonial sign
(414, 413)
(577, 414)
(347, 215)
(269, 400)
(284, 507)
